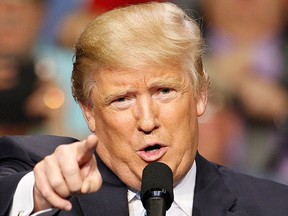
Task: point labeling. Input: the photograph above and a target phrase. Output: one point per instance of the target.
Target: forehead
(142, 76)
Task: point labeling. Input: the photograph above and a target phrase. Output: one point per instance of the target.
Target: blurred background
(246, 54)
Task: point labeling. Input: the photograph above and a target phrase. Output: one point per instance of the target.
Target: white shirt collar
(183, 192)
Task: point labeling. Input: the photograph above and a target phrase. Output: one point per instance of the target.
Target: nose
(147, 115)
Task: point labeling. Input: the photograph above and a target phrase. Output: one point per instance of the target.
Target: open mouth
(153, 152)
(152, 148)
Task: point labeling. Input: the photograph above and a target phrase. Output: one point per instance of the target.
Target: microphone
(157, 189)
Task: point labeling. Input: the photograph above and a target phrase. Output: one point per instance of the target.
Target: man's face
(145, 116)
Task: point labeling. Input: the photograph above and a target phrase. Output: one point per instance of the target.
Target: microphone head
(157, 181)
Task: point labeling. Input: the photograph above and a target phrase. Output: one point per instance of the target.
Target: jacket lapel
(211, 195)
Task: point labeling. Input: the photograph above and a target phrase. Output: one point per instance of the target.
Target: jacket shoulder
(256, 194)
(36, 145)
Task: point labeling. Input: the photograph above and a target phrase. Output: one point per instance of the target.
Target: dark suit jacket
(218, 192)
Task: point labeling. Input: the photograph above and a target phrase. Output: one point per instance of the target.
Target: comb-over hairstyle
(144, 35)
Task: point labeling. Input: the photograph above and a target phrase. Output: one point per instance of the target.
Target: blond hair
(151, 34)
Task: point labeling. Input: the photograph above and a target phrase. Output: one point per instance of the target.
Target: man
(139, 80)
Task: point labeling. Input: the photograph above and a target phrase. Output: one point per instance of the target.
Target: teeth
(152, 148)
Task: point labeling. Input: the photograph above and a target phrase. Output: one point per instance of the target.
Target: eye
(165, 91)
(165, 94)
(121, 99)
(121, 103)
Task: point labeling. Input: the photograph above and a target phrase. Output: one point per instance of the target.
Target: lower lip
(153, 155)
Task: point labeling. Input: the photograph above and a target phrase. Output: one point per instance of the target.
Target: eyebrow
(169, 82)
(112, 96)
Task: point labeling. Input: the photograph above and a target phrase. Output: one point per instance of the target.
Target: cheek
(113, 149)
(113, 138)
(181, 113)
(181, 121)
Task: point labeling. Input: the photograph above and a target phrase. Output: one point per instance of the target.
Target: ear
(88, 115)
(201, 103)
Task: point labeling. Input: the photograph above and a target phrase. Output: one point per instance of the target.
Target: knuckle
(61, 149)
(56, 183)
(45, 192)
(38, 169)
(70, 171)
(47, 159)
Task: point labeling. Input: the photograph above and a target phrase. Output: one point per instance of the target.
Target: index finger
(86, 149)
